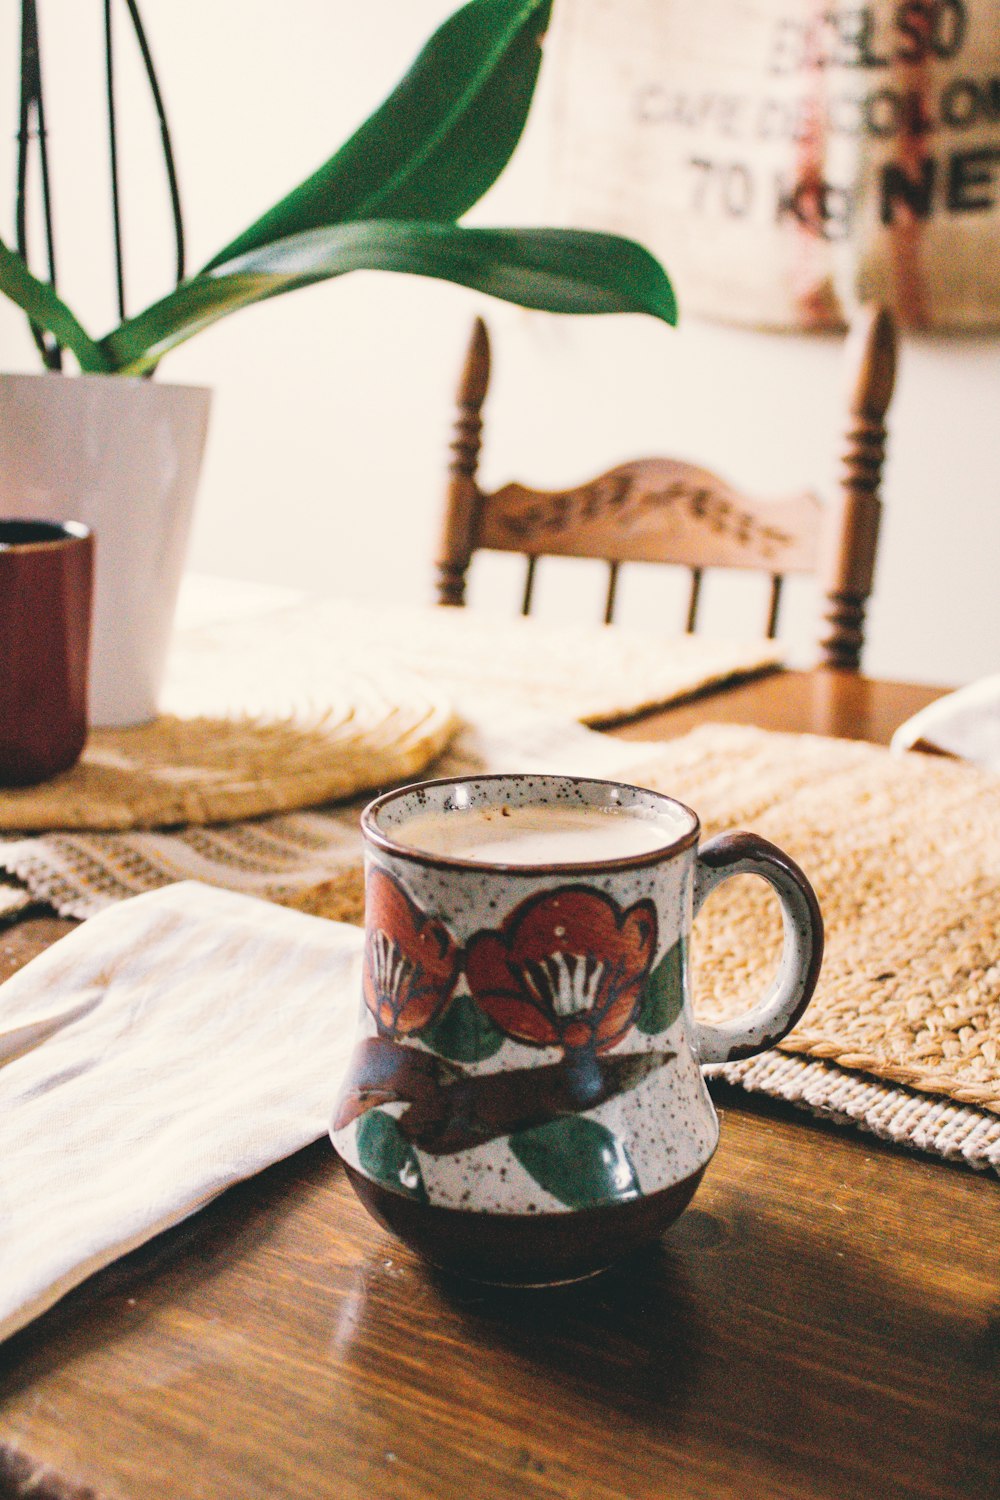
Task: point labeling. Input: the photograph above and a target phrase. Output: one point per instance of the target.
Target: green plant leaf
(558, 270)
(439, 140)
(577, 1160)
(44, 307)
(387, 1156)
(463, 1034)
(663, 999)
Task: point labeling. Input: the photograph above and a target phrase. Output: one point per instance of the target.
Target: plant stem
(32, 108)
(116, 215)
(168, 154)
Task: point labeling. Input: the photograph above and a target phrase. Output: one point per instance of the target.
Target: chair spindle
(609, 603)
(693, 598)
(774, 605)
(529, 586)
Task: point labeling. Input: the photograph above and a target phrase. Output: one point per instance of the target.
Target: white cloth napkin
(171, 1046)
(965, 723)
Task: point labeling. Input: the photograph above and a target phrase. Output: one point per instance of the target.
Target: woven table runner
(903, 1035)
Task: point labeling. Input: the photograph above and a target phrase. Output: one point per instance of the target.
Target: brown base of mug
(525, 1249)
(30, 763)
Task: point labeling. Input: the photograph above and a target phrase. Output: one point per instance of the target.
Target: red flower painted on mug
(411, 961)
(566, 968)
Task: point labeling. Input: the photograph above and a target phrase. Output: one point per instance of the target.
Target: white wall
(333, 405)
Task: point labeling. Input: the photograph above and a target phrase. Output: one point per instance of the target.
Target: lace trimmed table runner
(903, 1036)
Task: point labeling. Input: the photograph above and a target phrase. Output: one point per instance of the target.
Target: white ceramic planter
(123, 455)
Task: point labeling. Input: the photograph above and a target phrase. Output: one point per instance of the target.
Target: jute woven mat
(594, 675)
(904, 854)
(212, 769)
(323, 700)
(902, 1037)
(250, 726)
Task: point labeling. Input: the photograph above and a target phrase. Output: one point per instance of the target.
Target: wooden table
(823, 1322)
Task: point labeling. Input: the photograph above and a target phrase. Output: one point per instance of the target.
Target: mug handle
(801, 954)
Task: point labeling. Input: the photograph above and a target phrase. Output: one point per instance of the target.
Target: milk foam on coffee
(538, 835)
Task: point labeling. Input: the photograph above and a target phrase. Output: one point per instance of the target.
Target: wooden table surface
(824, 1321)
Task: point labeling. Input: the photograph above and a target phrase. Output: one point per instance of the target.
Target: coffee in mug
(525, 1103)
(46, 581)
(534, 835)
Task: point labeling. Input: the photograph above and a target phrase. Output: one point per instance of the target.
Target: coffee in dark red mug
(46, 581)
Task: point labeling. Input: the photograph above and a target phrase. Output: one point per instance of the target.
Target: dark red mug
(46, 582)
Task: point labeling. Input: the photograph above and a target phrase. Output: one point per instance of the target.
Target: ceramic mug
(46, 581)
(525, 1103)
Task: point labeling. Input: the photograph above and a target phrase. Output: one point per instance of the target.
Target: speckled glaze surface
(527, 1062)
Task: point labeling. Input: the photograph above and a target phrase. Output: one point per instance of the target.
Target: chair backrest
(665, 510)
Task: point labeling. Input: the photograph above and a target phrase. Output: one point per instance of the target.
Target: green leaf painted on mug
(387, 1156)
(664, 997)
(577, 1160)
(463, 1034)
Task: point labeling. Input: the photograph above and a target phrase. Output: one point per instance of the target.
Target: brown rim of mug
(68, 533)
(388, 845)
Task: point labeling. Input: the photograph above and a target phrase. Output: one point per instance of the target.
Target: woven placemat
(594, 674)
(904, 853)
(905, 1117)
(321, 700)
(252, 727)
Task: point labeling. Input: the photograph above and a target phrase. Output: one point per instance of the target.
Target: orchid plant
(390, 199)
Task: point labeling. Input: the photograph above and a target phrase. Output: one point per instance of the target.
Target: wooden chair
(664, 510)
